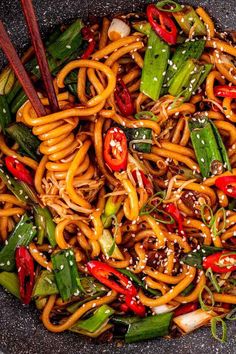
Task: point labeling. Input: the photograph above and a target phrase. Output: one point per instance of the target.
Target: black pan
(20, 328)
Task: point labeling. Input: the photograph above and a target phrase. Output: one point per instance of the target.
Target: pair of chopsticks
(17, 66)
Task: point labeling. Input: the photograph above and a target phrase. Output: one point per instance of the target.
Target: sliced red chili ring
(227, 184)
(182, 310)
(116, 149)
(165, 27)
(123, 98)
(18, 170)
(88, 35)
(172, 209)
(110, 277)
(146, 182)
(135, 306)
(225, 91)
(221, 262)
(25, 271)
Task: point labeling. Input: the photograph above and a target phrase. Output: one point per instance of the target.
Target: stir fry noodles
(118, 214)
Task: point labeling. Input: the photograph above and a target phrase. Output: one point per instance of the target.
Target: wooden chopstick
(37, 42)
(20, 71)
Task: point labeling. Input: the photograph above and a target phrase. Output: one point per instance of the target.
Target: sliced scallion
(214, 322)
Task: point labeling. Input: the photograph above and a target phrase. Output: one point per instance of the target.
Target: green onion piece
(5, 114)
(146, 115)
(185, 51)
(25, 138)
(155, 64)
(210, 152)
(112, 207)
(7, 80)
(20, 189)
(135, 136)
(221, 147)
(22, 235)
(121, 320)
(194, 259)
(45, 224)
(204, 307)
(10, 282)
(187, 18)
(209, 273)
(203, 207)
(73, 307)
(139, 282)
(149, 328)
(214, 322)
(230, 316)
(108, 244)
(142, 26)
(68, 42)
(188, 290)
(66, 274)
(93, 323)
(45, 284)
(18, 101)
(214, 229)
(172, 6)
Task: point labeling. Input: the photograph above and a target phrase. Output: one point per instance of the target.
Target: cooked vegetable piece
(155, 64)
(149, 328)
(106, 242)
(93, 323)
(22, 235)
(185, 51)
(25, 271)
(45, 224)
(209, 148)
(188, 19)
(5, 114)
(66, 273)
(195, 258)
(68, 42)
(25, 138)
(45, 284)
(10, 282)
(162, 24)
(20, 189)
(135, 137)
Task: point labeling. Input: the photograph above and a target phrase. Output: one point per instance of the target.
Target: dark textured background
(20, 329)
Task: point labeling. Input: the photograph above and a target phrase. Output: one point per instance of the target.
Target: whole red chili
(146, 182)
(225, 91)
(112, 278)
(172, 209)
(182, 310)
(88, 35)
(227, 184)
(162, 24)
(25, 269)
(221, 262)
(18, 170)
(116, 149)
(123, 98)
(135, 306)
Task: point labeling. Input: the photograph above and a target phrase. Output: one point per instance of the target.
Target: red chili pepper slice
(225, 91)
(25, 268)
(172, 209)
(115, 149)
(18, 170)
(88, 35)
(227, 184)
(220, 262)
(146, 182)
(165, 27)
(182, 310)
(135, 306)
(110, 277)
(123, 98)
